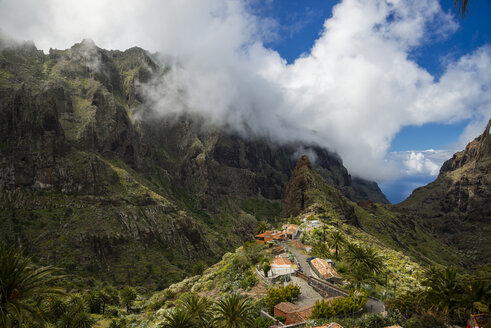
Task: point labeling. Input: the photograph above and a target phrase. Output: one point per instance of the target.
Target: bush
(263, 323)
(249, 280)
(199, 268)
(275, 296)
(338, 307)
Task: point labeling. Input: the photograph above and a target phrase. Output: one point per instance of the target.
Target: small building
(270, 236)
(330, 325)
(281, 266)
(324, 270)
(290, 230)
(278, 250)
(299, 245)
(293, 313)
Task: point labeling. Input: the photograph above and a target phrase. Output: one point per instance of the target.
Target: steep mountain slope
(307, 194)
(457, 205)
(92, 179)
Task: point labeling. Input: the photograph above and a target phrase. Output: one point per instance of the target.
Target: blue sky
(394, 87)
(302, 21)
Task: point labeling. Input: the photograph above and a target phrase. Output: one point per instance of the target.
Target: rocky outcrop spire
(296, 198)
(476, 150)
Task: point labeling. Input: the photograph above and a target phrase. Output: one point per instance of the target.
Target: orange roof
(325, 270)
(282, 261)
(286, 307)
(265, 234)
(330, 325)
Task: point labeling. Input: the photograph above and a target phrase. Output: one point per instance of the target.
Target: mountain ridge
(88, 183)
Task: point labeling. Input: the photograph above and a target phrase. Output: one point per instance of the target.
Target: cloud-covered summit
(352, 93)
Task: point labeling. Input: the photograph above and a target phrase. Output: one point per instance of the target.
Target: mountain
(93, 180)
(457, 205)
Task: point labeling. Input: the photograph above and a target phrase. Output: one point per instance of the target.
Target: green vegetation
(234, 311)
(20, 282)
(339, 306)
(447, 295)
(127, 296)
(276, 295)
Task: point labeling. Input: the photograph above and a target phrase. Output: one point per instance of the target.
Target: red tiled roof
(282, 261)
(325, 270)
(286, 307)
(264, 234)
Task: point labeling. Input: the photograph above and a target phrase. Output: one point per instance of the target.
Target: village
(317, 277)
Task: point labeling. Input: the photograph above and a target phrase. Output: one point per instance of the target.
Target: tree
(261, 227)
(177, 318)
(20, 281)
(337, 241)
(364, 258)
(461, 6)
(233, 311)
(198, 307)
(127, 296)
(266, 266)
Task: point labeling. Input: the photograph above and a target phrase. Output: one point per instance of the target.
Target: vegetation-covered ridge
(93, 180)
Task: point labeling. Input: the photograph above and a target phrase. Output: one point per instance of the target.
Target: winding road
(372, 305)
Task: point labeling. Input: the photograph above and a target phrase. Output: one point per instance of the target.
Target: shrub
(199, 268)
(263, 323)
(275, 296)
(340, 306)
(249, 280)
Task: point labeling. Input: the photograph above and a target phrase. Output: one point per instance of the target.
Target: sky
(395, 87)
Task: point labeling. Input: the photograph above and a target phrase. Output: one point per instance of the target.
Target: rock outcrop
(457, 205)
(296, 196)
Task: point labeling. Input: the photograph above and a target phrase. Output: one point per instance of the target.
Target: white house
(281, 266)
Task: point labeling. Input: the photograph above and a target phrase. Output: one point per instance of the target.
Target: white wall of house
(281, 269)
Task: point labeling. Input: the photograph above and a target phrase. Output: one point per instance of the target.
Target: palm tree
(337, 240)
(177, 318)
(233, 311)
(20, 281)
(198, 308)
(261, 227)
(127, 296)
(324, 230)
(446, 289)
(364, 257)
(461, 6)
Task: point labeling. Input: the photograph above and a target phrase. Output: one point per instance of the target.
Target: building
(281, 266)
(299, 245)
(270, 236)
(278, 250)
(324, 270)
(330, 325)
(290, 230)
(293, 313)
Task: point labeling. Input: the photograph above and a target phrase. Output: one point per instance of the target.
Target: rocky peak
(458, 203)
(475, 151)
(296, 199)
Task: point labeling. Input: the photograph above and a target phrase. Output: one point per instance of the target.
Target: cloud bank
(351, 93)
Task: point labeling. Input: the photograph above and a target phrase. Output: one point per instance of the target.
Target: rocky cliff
(457, 205)
(92, 178)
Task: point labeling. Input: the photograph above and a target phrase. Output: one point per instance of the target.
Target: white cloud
(420, 163)
(352, 93)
